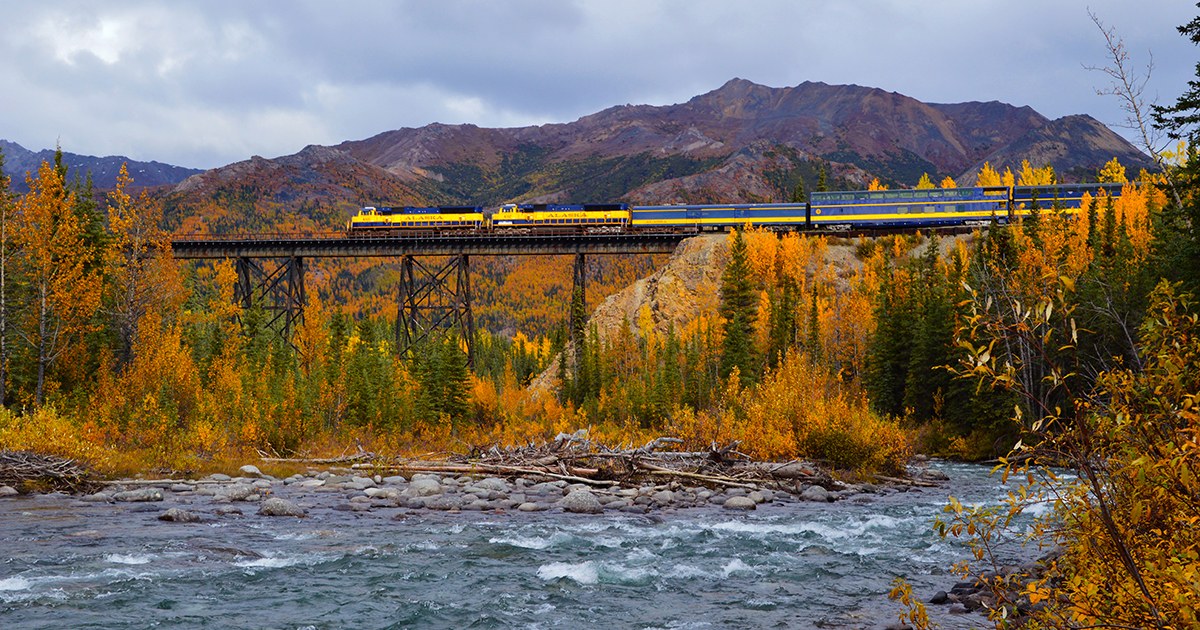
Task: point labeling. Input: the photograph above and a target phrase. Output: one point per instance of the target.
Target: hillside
(740, 142)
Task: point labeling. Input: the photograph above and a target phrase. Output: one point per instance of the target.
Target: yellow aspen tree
(6, 252)
(141, 271)
(875, 185)
(948, 182)
(1029, 176)
(988, 176)
(1112, 172)
(1008, 179)
(924, 182)
(64, 292)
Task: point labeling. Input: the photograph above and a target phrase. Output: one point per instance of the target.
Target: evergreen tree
(798, 194)
(813, 339)
(739, 306)
(932, 336)
(822, 184)
(1181, 246)
(889, 354)
(782, 332)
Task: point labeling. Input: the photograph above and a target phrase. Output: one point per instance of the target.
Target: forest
(1059, 342)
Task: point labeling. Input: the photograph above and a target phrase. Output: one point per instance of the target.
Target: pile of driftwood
(26, 470)
(575, 459)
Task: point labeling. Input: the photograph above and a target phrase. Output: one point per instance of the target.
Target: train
(833, 211)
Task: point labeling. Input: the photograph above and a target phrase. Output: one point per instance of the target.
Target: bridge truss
(434, 296)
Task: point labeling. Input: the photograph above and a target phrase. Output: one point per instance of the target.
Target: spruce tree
(798, 194)
(739, 307)
(1181, 238)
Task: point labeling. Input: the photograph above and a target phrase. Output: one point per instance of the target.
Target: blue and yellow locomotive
(558, 218)
(380, 221)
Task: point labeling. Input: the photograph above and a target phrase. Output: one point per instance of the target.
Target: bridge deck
(341, 246)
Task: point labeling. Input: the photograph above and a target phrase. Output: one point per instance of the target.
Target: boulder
(139, 495)
(739, 503)
(276, 506)
(177, 515)
(236, 492)
(930, 474)
(8, 491)
(663, 497)
(493, 483)
(817, 494)
(424, 487)
(443, 502)
(251, 471)
(581, 502)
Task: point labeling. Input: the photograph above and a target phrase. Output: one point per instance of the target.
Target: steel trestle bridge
(434, 296)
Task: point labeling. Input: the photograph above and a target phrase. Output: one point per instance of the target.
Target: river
(71, 564)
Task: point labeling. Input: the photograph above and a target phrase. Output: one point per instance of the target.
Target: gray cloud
(206, 83)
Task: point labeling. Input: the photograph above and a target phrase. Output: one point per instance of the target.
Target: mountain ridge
(18, 161)
(742, 142)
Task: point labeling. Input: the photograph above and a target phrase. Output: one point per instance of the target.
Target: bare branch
(1129, 86)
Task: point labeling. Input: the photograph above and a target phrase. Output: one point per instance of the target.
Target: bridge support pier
(435, 300)
(279, 291)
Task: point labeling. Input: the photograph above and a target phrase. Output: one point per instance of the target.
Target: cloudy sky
(206, 83)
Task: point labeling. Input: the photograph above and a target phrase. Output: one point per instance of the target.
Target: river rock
(663, 497)
(424, 487)
(381, 493)
(139, 495)
(530, 506)
(493, 483)
(276, 506)
(250, 470)
(219, 477)
(8, 491)
(817, 494)
(177, 515)
(443, 502)
(739, 503)
(236, 492)
(362, 483)
(581, 502)
(930, 474)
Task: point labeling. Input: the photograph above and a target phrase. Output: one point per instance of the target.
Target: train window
(901, 209)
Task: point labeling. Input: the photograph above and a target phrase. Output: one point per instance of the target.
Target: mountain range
(18, 161)
(742, 142)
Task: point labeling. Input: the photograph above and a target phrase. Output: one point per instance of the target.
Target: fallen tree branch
(908, 482)
(725, 481)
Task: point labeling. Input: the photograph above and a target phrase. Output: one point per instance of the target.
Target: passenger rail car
(703, 218)
(1065, 197)
(927, 207)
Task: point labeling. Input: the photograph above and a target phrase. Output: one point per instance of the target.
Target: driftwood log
(25, 470)
(576, 459)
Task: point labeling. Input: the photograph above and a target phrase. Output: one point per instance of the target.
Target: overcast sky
(203, 84)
